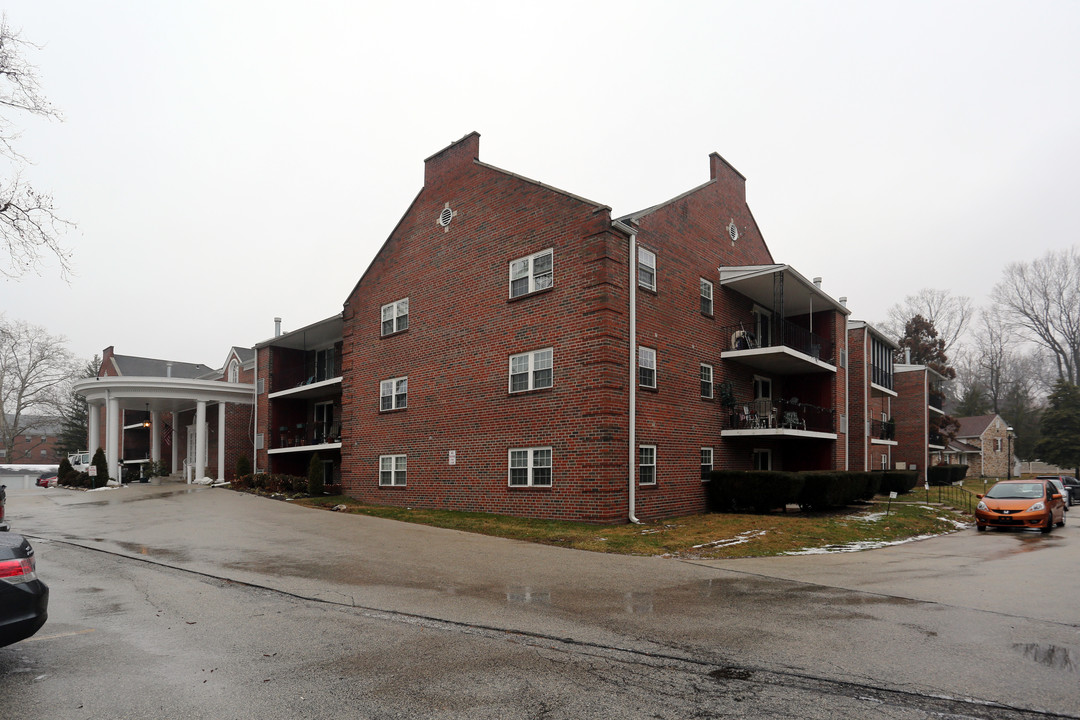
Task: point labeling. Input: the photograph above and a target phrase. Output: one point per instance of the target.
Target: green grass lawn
(712, 535)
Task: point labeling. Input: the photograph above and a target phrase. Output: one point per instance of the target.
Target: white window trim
(531, 371)
(394, 470)
(392, 385)
(398, 316)
(712, 460)
(701, 380)
(707, 296)
(768, 457)
(234, 371)
(652, 465)
(530, 466)
(647, 351)
(760, 380)
(533, 285)
(646, 259)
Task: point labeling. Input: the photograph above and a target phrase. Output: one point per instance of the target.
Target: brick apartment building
(918, 408)
(872, 433)
(35, 445)
(514, 348)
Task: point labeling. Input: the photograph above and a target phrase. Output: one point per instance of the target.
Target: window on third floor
(531, 370)
(706, 297)
(395, 316)
(531, 273)
(394, 394)
(646, 272)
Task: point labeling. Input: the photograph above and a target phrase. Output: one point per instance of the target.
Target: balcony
(302, 437)
(787, 349)
(309, 389)
(935, 440)
(881, 381)
(764, 417)
(883, 432)
(936, 400)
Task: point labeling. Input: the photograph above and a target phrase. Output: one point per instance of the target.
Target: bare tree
(29, 226)
(1040, 301)
(948, 313)
(35, 368)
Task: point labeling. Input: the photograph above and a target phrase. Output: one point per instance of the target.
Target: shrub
(946, 474)
(64, 472)
(757, 490)
(243, 466)
(102, 466)
(900, 482)
(315, 476)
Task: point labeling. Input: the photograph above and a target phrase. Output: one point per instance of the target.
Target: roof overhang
(323, 333)
(800, 295)
(162, 394)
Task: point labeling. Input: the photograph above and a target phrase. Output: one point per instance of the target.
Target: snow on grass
(743, 537)
(858, 546)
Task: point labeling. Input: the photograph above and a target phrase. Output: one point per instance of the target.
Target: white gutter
(255, 417)
(632, 440)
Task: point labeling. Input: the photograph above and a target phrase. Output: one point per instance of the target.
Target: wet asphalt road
(174, 601)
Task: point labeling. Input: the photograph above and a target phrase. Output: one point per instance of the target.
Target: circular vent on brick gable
(733, 231)
(446, 216)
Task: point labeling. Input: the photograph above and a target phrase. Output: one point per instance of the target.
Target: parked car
(46, 480)
(1062, 491)
(1071, 484)
(3, 500)
(1021, 504)
(24, 599)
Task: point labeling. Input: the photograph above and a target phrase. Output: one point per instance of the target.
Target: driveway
(989, 616)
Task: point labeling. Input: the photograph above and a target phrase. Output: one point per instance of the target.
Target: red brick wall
(910, 410)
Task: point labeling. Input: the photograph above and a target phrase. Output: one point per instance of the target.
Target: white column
(200, 440)
(155, 436)
(221, 442)
(112, 438)
(174, 441)
(93, 439)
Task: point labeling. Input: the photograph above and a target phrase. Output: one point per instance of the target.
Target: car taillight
(18, 571)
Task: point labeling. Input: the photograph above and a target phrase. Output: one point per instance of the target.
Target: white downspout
(632, 291)
(255, 419)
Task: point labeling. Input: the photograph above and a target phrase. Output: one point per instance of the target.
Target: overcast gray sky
(228, 162)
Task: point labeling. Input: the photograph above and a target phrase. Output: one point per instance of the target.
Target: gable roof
(974, 426)
(132, 366)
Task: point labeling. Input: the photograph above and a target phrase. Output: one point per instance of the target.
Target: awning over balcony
(757, 282)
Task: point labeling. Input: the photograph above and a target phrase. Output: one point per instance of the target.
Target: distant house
(982, 443)
(35, 445)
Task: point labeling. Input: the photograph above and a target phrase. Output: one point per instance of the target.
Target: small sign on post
(888, 508)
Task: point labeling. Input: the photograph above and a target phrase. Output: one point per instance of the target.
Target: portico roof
(162, 394)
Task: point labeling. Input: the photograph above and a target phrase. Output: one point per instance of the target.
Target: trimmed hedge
(945, 474)
(900, 482)
(272, 483)
(764, 490)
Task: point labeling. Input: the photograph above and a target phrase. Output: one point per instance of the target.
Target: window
(530, 467)
(394, 393)
(532, 273)
(44, 453)
(706, 463)
(762, 388)
(884, 462)
(531, 370)
(647, 465)
(324, 421)
(706, 297)
(324, 364)
(646, 272)
(234, 372)
(763, 459)
(706, 381)
(998, 444)
(646, 367)
(763, 326)
(392, 469)
(395, 317)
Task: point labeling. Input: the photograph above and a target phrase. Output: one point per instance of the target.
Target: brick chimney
(452, 159)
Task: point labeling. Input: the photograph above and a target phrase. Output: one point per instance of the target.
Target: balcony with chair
(764, 417)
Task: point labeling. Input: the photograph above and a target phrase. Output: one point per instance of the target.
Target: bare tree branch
(949, 314)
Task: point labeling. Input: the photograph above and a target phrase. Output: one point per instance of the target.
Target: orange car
(1021, 504)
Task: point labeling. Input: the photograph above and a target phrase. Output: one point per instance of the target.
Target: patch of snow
(743, 537)
(107, 487)
(858, 546)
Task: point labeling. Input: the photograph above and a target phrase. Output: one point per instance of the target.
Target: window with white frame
(647, 464)
(646, 367)
(762, 459)
(392, 469)
(531, 370)
(997, 444)
(706, 380)
(530, 467)
(646, 269)
(706, 297)
(394, 393)
(395, 316)
(884, 462)
(532, 273)
(234, 371)
(706, 463)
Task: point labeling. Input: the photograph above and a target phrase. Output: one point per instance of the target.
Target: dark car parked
(1071, 484)
(24, 600)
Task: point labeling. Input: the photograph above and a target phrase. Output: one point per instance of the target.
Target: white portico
(159, 395)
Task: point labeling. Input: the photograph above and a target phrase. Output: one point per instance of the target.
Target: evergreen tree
(316, 483)
(921, 338)
(75, 416)
(102, 466)
(1060, 443)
